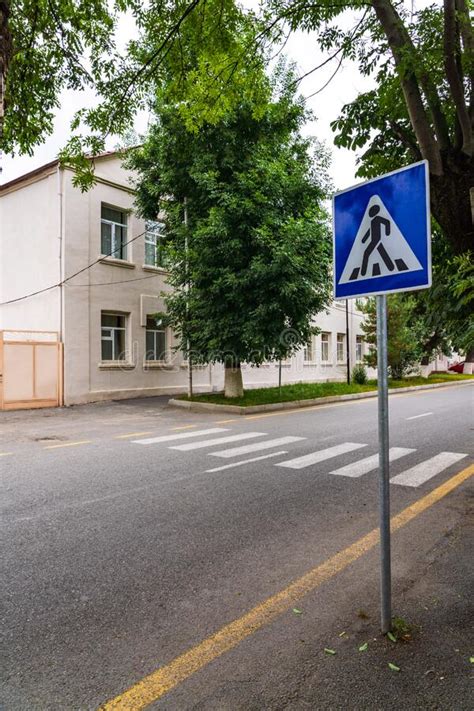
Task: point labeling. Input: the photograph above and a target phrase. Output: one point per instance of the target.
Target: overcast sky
(301, 47)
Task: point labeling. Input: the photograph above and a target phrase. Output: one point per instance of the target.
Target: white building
(101, 315)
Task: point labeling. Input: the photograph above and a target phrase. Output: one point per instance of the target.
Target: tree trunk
(233, 385)
(469, 362)
(451, 202)
(400, 44)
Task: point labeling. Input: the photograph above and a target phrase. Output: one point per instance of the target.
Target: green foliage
(55, 45)
(445, 313)
(206, 54)
(359, 374)
(378, 120)
(404, 350)
(252, 265)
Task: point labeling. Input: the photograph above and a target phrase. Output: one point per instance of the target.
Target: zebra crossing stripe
(424, 471)
(363, 466)
(182, 435)
(268, 444)
(320, 455)
(218, 440)
(232, 465)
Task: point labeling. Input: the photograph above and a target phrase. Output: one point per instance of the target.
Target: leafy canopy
(251, 266)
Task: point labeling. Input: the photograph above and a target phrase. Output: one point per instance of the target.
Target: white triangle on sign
(379, 248)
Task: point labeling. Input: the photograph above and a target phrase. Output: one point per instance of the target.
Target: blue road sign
(382, 236)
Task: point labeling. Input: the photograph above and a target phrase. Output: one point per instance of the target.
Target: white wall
(127, 287)
(29, 254)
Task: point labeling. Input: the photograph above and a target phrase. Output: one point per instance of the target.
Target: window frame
(155, 331)
(155, 240)
(359, 349)
(123, 248)
(111, 339)
(309, 350)
(325, 343)
(341, 340)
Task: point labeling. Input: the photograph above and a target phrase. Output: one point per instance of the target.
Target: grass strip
(308, 391)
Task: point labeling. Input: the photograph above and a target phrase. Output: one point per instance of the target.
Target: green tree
(404, 349)
(423, 104)
(47, 46)
(251, 265)
(197, 48)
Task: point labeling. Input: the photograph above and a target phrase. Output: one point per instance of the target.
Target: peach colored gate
(30, 369)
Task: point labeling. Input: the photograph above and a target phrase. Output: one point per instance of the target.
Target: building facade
(92, 273)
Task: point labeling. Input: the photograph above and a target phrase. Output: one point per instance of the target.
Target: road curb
(296, 404)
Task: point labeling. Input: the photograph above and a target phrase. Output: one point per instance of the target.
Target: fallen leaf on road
(296, 611)
(363, 647)
(393, 667)
(329, 651)
(341, 634)
(391, 636)
(471, 659)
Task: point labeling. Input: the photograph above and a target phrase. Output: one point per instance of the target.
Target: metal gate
(31, 369)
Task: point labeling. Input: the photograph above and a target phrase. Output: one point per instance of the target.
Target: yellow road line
(67, 444)
(132, 434)
(5, 454)
(155, 685)
(224, 422)
(184, 427)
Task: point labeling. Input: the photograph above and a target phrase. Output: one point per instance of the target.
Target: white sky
(301, 47)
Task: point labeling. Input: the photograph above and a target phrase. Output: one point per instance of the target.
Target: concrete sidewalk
(434, 661)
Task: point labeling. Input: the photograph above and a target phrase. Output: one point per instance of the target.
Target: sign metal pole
(384, 485)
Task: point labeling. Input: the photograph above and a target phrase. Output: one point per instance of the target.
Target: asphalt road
(120, 553)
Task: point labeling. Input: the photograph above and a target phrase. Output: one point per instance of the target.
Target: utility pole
(348, 344)
(188, 343)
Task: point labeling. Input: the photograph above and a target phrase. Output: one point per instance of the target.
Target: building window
(359, 349)
(341, 347)
(325, 339)
(113, 232)
(154, 252)
(155, 339)
(308, 351)
(113, 336)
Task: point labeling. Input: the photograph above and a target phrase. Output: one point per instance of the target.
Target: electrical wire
(64, 281)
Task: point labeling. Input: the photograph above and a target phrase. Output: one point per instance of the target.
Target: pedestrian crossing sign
(381, 234)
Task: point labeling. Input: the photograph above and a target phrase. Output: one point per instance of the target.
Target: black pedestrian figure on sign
(375, 234)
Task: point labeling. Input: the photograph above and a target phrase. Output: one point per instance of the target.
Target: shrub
(359, 374)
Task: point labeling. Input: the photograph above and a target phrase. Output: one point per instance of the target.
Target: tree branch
(467, 35)
(454, 79)
(405, 138)
(393, 28)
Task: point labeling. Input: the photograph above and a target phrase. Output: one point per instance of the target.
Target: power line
(122, 281)
(89, 266)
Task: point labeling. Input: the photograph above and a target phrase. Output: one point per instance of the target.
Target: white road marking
(218, 440)
(363, 466)
(424, 471)
(268, 444)
(182, 435)
(246, 461)
(415, 417)
(320, 456)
